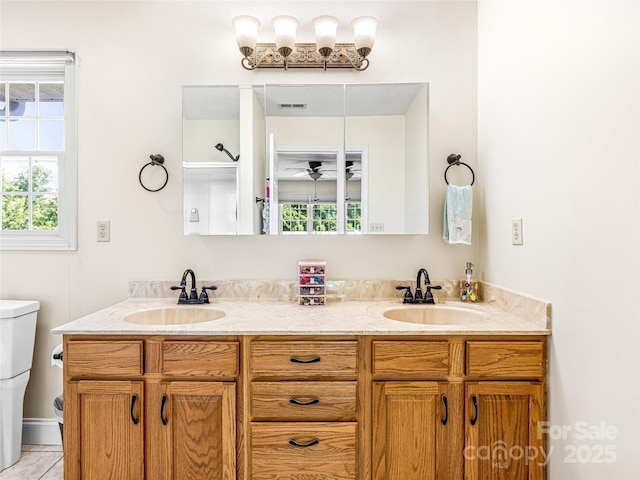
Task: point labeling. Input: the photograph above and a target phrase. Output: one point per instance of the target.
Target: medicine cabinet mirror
(313, 159)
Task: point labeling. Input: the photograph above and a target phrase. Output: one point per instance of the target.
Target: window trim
(43, 62)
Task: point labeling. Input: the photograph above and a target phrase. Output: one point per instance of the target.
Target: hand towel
(458, 206)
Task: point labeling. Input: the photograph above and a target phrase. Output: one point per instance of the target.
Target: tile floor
(37, 462)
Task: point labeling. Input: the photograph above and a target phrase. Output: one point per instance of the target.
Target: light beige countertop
(281, 317)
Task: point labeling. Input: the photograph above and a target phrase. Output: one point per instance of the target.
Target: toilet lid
(16, 308)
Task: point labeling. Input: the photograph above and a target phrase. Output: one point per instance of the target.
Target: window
(303, 218)
(38, 165)
(325, 218)
(294, 218)
(354, 217)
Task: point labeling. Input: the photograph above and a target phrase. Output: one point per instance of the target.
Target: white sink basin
(435, 315)
(178, 315)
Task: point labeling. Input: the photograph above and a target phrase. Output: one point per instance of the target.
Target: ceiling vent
(296, 106)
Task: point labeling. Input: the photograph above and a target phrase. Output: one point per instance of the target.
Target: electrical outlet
(516, 231)
(376, 227)
(104, 231)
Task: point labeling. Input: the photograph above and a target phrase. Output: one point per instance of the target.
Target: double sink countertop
(337, 317)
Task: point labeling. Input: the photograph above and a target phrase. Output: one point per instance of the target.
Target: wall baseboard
(41, 431)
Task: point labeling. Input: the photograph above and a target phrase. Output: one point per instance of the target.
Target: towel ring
(454, 159)
(156, 159)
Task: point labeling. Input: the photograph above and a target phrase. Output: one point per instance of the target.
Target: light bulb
(325, 27)
(246, 33)
(285, 32)
(364, 34)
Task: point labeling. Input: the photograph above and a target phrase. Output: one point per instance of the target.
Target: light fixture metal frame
(305, 55)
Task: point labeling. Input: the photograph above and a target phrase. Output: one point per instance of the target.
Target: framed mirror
(313, 159)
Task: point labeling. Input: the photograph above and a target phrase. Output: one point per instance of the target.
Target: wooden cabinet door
(417, 430)
(191, 430)
(104, 429)
(503, 441)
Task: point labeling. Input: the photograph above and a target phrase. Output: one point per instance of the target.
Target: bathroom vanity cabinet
(150, 408)
(458, 408)
(321, 407)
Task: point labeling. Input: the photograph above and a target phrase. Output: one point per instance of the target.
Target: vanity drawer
(303, 401)
(200, 358)
(505, 359)
(410, 359)
(304, 360)
(325, 451)
(103, 358)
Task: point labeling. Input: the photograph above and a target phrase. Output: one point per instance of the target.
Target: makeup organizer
(311, 282)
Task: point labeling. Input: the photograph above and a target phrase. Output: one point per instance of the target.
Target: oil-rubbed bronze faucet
(192, 298)
(419, 297)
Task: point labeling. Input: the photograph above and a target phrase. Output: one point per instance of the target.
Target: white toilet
(17, 337)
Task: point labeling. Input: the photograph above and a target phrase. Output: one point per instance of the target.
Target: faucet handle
(408, 297)
(428, 296)
(203, 295)
(183, 293)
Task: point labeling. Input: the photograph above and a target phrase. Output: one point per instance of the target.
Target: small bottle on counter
(469, 286)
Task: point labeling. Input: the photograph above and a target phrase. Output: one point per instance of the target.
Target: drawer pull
(446, 410)
(298, 360)
(134, 398)
(162, 417)
(474, 400)
(298, 402)
(313, 442)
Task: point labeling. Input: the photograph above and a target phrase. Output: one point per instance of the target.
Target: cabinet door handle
(474, 400)
(311, 360)
(298, 402)
(134, 399)
(162, 405)
(313, 442)
(446, 410)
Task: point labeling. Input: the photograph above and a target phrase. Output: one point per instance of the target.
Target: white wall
(559, 146)
(416, 149)
(200, 136)
(384, 136)
(134, 58)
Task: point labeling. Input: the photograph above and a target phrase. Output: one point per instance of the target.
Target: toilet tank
(17, 336)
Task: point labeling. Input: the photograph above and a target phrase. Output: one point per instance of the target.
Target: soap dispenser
(469, 286)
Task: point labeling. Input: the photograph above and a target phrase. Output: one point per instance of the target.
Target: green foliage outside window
(325, 217)
(294, 217)
(354, 217)
(15, 201)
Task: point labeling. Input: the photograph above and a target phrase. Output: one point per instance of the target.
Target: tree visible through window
(354, 217)
(29, 194)
(294, 217)
(318, 218)
(325, 217)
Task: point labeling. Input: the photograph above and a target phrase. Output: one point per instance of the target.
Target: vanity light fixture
(285, 53)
